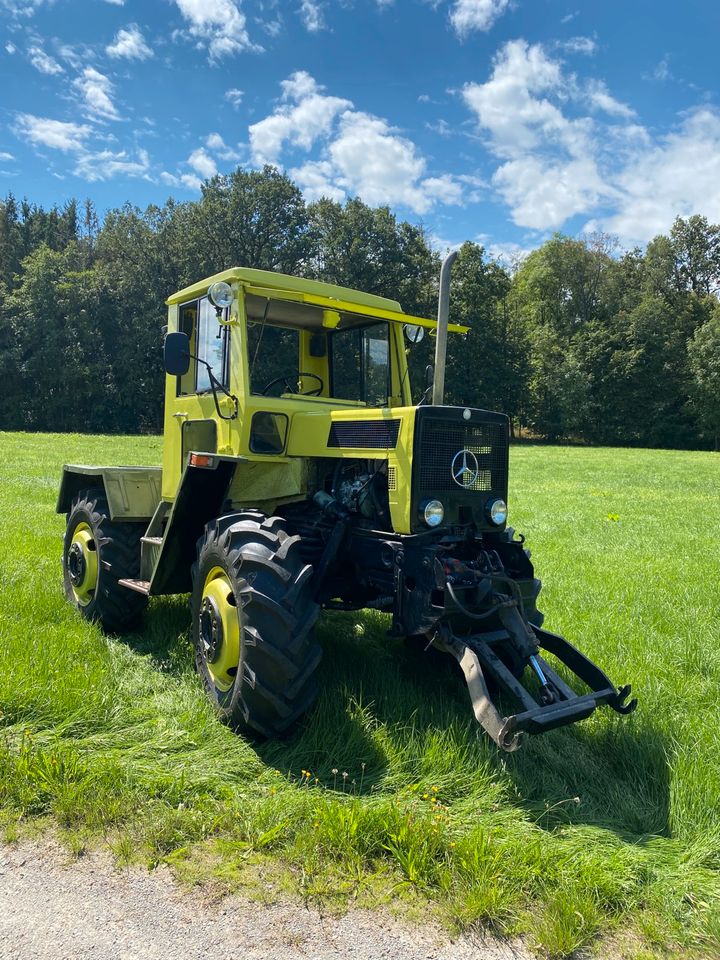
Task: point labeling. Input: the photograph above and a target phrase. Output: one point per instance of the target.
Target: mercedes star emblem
(464, 468)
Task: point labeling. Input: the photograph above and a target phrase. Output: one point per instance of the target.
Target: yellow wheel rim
(82, 564)
(219, 629)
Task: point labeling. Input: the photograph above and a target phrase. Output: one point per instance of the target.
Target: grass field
(604, 835)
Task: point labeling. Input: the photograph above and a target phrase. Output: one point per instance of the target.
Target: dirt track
(53, 909)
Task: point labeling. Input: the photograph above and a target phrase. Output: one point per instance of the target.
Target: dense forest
(578, 342)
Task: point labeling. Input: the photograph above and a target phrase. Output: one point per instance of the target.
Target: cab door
(191, 420)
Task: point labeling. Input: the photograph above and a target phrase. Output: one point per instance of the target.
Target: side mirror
(176, 354)
(413, 332)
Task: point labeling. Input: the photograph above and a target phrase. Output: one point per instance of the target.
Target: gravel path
(52, 909)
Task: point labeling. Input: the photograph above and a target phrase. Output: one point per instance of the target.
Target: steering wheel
(289, 382)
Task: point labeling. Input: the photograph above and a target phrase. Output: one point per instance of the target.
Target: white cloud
(661, 73)
(116, 3)
(677, 176)
(23, 8)
(234, 97)
(10, 48)
(201, 161)
(315, 179)
(74, 56)
(469, 15)
(216, 143)
(56, 134)
(600, 98)
(509, 254)
(217, 24)
(360, 154)
(188, 180)
(96, 89)
(579, 45)
(129, 44)
(42, 62)
(105, 165)
(202, 164)
(544, 193)
(550, 169)
(377, 164)
(445, 189)
(312, 15)
(555, 161)
(6, 156)
(305, 115)
(511, 105)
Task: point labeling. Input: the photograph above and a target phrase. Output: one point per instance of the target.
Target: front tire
(253, 615)
(97, 553)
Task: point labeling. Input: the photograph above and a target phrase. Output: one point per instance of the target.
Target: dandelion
(334, 772)
(433, 799)
(452, 844)
(345, 775)
(426, 796)
(434, 789)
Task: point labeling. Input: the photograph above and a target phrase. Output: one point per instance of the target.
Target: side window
(376, 364)
(209, 341)
(361, 364)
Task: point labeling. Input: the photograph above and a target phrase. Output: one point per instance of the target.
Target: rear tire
(97, 552)
(253, 614)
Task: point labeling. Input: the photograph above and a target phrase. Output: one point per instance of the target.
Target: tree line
(578, 341)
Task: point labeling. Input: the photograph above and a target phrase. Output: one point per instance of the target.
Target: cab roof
(283, 281)
(281, 286)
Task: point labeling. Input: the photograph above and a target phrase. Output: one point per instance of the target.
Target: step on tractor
(298, 475)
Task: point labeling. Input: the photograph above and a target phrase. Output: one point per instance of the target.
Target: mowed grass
(603, 836)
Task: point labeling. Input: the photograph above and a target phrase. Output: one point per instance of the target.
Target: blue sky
(499, 121)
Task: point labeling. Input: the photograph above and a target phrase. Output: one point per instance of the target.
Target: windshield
(273, 354)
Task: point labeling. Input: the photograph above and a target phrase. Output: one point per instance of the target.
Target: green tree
(704, 361)
(488, 368)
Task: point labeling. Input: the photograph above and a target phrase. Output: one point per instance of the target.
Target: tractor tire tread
(275, 681)
(115, 607)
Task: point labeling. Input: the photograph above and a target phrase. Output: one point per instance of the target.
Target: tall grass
(608, 829)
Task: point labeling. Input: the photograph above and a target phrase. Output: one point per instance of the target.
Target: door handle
(180, 416)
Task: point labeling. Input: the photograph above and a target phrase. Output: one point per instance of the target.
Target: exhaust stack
(438, 393)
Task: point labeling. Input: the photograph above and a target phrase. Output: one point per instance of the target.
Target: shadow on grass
(386, 709)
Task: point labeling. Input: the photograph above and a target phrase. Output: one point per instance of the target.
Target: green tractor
(298, 475)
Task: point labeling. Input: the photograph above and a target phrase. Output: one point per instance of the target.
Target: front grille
(364, 434)
(443, 444)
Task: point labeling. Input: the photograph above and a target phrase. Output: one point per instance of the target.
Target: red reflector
(201, 460)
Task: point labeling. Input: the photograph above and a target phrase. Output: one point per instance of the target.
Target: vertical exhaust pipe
(438, 393)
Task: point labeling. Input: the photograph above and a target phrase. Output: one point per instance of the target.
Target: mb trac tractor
(298, 475)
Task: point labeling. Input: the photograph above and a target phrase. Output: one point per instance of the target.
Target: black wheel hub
(76, 564)
(211, 629)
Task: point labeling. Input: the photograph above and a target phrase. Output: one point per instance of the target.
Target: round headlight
(220, 294)
(433, 513)
(497, 512)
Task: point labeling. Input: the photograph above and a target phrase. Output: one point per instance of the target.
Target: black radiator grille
(476, 452)
(365, 434)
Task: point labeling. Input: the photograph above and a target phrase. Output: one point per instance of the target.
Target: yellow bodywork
(265, 480)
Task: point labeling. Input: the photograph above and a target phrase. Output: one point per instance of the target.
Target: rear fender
(132, 493)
